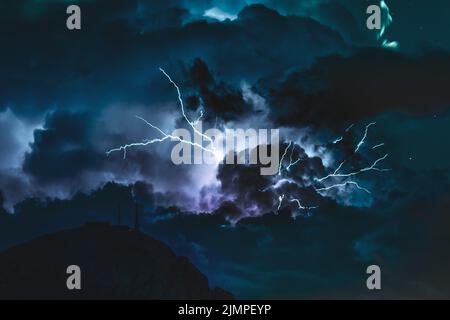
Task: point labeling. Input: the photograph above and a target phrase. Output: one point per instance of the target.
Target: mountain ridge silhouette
(116, 262)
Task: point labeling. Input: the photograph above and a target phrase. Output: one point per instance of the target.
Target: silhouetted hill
(115, 262)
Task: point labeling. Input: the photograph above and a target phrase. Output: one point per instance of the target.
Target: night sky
(364, 128)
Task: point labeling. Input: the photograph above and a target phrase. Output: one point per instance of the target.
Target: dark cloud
(63, 148)
(294, 189)
(73, 77)
(220, 99)
(248, 193)
(115, 59)
(87, 83)
(245, 185)
(161, 203)
(338, 17)
(416, 25)
(229, 211)
(341, 90)
(332, 247)
(13, 141)
(15, 187)
(143, 192)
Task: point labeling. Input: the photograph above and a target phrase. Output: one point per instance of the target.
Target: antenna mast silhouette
(136, 217)
(119, 215)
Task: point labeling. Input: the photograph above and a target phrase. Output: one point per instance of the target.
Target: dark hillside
(115, 262)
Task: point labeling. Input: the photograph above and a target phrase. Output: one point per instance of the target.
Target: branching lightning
(354, 173)
(166, 136)
(338, 178)
(151, 141)
(292, 162)
(361, 142)
(302, 207)
(332, 174)
(344, 184)
(180, 100)
(282, 158)
(335, 180)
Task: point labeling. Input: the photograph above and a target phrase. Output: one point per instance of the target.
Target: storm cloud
(338, 91)
(308, 68)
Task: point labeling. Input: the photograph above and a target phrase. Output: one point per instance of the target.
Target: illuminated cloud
(219, 14)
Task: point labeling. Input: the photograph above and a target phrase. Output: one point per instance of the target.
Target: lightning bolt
(344, 184)
(148, 142)
(291, 161)
(361, 142)
(338, 140)
(280, 201)
(279, 182)
(166, 136)
(180, 100)
(302, 207)
(280, 167)
(342, 137)
(332, 174)
(349, 127)
(200, 117)
(378, 145)
(350, 174)
(336, 174)
(299, 204)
